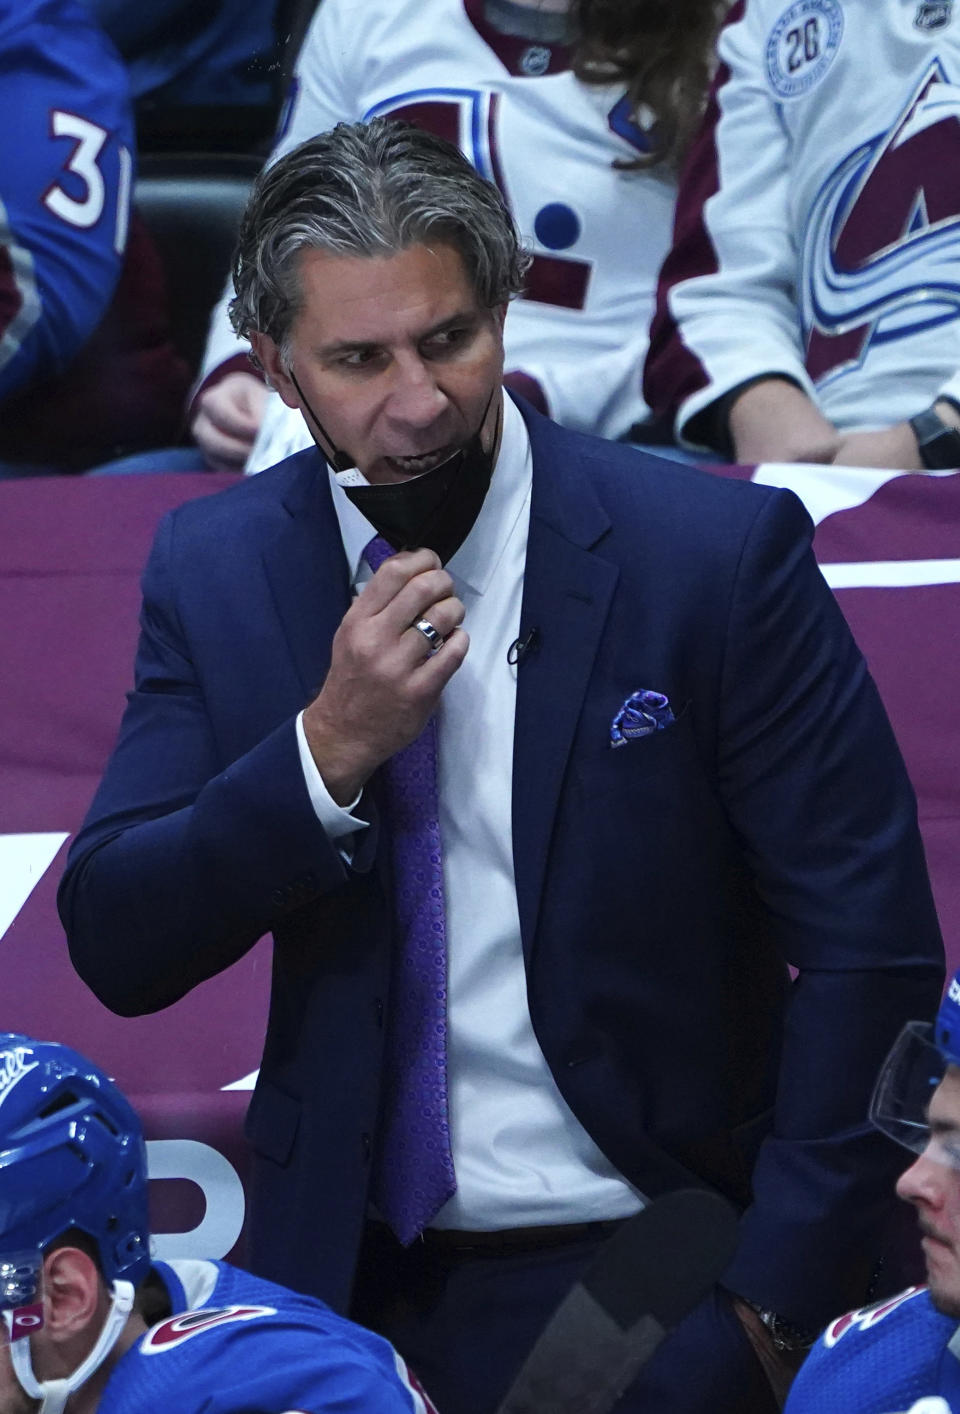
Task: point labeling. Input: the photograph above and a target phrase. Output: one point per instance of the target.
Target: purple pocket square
(643, 713)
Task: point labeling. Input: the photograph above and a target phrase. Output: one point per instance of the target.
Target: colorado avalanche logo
(881, 254)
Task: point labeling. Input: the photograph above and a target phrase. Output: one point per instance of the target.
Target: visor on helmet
(911, 1073)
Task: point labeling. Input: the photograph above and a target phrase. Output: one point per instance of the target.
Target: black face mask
(436, 509)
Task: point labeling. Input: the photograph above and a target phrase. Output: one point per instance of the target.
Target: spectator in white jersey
(580, 111)
(89, 1326)
(809, 309)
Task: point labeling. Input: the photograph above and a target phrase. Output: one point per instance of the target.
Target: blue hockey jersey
(881, 1360)
(66, 168)
(240, 1345)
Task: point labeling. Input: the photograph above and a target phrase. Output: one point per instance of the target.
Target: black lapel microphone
(520, 647)
(641, 1283)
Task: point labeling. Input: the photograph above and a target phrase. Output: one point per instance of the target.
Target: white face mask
(54, 1394)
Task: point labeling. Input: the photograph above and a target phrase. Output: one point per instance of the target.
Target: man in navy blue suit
(539, 810)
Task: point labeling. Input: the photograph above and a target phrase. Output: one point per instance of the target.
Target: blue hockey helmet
(912, 1071)
(946, 1028)
(71, 1156)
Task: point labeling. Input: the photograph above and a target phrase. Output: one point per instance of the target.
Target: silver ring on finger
(434, 637)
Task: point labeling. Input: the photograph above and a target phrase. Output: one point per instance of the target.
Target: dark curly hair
(663, 51)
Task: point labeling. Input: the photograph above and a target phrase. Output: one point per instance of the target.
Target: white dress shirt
(521, 1157)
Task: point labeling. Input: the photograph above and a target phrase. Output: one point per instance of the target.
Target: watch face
(938, 444)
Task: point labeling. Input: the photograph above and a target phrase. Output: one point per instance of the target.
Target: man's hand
(228, 417)
(383, 682)
(775, 421)
(894, 447)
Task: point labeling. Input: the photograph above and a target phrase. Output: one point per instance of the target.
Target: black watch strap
(938, 442)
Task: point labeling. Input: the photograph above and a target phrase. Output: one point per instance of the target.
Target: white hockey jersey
(598, 233)
(818, 222)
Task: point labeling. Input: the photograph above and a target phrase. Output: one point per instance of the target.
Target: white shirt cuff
(335, 819)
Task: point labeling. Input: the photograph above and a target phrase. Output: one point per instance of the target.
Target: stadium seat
(192, 204)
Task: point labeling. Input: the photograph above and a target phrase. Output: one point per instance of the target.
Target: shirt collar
(475, 563)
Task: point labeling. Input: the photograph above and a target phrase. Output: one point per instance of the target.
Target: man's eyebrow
(342, 346)
(463, 316)
(941, 1126)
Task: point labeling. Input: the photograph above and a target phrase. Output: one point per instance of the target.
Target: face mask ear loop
(55, 1393)
(337, 457)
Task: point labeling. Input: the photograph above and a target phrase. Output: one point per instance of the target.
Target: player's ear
(271, 361)
(71, 1293)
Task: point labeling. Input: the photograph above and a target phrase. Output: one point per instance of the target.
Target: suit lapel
(566, 597)
(308, 576)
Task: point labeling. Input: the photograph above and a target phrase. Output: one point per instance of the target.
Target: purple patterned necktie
(413, 1176)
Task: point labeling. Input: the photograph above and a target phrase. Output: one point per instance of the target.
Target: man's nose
(416, 398)
(922, 1183)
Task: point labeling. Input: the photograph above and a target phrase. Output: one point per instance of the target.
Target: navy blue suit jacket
(663, 888)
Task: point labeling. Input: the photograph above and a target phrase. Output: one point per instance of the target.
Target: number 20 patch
(802, 46)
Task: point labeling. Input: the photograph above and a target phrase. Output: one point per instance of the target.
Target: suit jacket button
(365, 1147)
(378, 1011)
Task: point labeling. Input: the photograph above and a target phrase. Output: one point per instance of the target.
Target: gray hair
(368, 189)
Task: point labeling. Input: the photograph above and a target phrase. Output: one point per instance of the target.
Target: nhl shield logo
(933, 14)
(535, 60)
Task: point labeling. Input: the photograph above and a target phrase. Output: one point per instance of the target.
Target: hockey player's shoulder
(911, 1304)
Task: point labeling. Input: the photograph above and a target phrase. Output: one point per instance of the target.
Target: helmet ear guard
(21, 1277)
(21, 1294)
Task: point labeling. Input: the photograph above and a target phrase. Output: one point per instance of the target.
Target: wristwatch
(785, 1337)
(937, 441)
